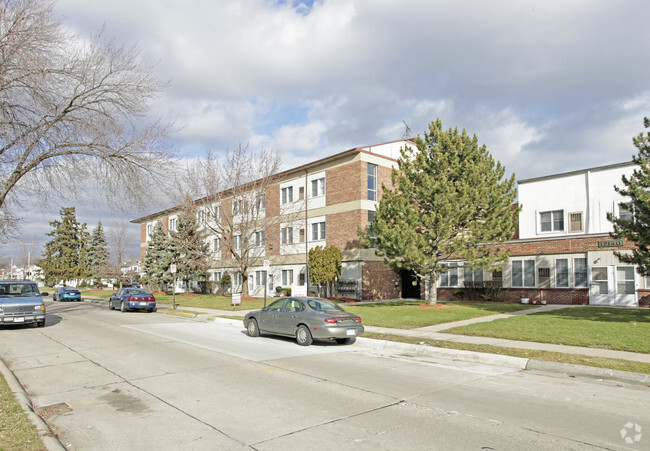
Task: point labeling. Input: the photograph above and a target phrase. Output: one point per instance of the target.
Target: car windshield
(145, 292)
(322, 305)
(15, 290)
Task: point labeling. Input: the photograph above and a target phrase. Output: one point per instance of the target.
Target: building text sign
(611, 243)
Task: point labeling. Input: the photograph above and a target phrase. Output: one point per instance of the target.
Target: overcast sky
(548, 86)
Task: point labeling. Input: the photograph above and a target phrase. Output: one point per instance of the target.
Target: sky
(548, 87)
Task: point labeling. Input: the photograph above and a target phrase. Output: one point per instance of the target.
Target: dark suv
(21, 303)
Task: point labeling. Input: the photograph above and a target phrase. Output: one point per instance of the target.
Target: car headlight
(39, 308)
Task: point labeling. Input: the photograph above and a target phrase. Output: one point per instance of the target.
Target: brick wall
(559, 246)
(341, 229)
(346, 183)
(568, 296)
(380, 280)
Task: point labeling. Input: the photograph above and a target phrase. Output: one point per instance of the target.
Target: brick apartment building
(317, 204)
(562, 254)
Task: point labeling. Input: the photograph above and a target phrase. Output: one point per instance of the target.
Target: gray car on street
(21, 303)
(306, 319)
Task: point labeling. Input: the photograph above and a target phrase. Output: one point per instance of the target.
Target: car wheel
(346, 341)
(303, 336)
(110, 306)
(252, 329)
(122, 307)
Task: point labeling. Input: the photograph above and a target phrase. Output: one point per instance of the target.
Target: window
(172, 224)
(551, 221)
(372, 181)
(301, 278)
(523, 273)
(450, 277)
(237, 278)
(260, 278)
(575, 222)
(497, 275)
(236, 241)
(301, 193)
(562, 273)
(149, 230)
(625, 280)
(580, 272)
(201, 216)
(237, 206)
(261, 202)
(216, 244)
(287, 195)
(287, 277)
(318, 187)
(318, 231)
(301, 235)
(260, 238)
(215, 213)
(287, 235)
(472, 275)
(216, 276)
(626, 211)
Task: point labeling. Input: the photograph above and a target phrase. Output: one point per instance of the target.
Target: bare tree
(230, 200)
(71, 106)
(120, 242)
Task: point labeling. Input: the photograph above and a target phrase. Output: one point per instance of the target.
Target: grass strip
(559, 357)
(16, 431)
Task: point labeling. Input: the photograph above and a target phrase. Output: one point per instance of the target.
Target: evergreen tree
(65, 253)
(448, 200)
(190, 248)
(158, 259)
(97, 255)
(324, 265)
(637, 189)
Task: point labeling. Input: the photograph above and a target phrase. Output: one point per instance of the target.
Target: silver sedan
(306, 319)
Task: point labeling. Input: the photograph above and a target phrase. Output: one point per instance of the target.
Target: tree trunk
(433, 290)
(244, 284)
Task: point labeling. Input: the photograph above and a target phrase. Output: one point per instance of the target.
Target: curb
(519, 363)
(570, 370)
(48, 437)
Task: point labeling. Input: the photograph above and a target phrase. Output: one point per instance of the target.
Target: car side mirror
(45, 293)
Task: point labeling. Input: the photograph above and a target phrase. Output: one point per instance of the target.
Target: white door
(625, 286)
(600, 288)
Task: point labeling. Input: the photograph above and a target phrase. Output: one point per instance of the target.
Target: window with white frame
(580, 272)
(172, 224)
(575, 222)
(301, 235)
(472, 274)
(523, 273)
(551, 221)
(215, 213)
(301, 193)
(260, 278)
(200, 215)
(286, 195)
(260, 238)
(625, 281)
(286, 235)
(260, 202)
(372, 181)
(237, 278)
(149, 230)
(236, 241)
(318, 231)
(562, 273)
(449, 278)
(216, 244)
(287, 277)
(318, 187)
(626, 211)
(216, 276)
(237, 206)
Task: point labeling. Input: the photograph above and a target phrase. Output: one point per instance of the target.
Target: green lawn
(212, 301)
(16, 431)
(408, 315)
(599, 327)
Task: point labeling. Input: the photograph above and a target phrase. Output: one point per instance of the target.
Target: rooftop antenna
(407, 131)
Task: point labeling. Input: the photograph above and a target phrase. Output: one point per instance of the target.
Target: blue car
(66, 294)
(132, 299)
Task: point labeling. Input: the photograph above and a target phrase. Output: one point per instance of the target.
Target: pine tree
(158, 258)
(637, 189)
(448, 200)
(65, 253)
(190, 248)
(97, 255)
(324, 265)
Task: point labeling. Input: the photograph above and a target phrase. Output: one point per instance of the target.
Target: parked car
(305, 318)
(66, 294)
(132, 299)
(21, 303)
(136, 285)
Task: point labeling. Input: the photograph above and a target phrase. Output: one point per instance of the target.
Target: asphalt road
(110, 380)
